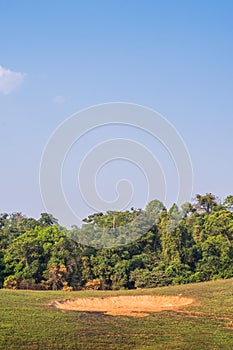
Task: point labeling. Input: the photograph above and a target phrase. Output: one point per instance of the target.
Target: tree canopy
(182, 245)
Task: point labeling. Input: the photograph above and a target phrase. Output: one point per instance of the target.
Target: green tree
(228, 203)
(32, 254)
(206, 203)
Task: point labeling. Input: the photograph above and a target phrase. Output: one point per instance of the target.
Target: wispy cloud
(9, 80)
(58, 100)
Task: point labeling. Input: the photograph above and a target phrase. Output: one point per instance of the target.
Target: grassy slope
(27, 322)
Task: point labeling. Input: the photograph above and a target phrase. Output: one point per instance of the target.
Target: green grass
(28, 322)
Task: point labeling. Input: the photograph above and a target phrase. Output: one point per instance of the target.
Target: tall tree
(206, 203)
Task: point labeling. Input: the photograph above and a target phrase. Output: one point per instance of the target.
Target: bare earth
(137, 306)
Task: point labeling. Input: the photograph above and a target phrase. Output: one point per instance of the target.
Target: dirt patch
(137, 306)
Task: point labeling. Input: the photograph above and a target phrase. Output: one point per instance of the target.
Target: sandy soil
(137, 306)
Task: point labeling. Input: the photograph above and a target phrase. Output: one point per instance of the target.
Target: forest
(118, 250)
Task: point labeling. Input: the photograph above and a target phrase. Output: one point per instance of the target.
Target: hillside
(29, 321)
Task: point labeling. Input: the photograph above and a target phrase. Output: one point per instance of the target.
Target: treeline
(193, 243)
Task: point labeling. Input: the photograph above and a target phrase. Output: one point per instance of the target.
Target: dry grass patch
(137, 306)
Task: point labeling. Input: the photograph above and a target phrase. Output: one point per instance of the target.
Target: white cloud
(58, 100)
(9, 81)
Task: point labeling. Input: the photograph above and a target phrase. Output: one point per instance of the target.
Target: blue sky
(173, 56)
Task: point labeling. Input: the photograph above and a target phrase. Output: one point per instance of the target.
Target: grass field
(28, 322)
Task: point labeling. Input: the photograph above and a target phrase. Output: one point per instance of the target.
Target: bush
(144, 278)
(67, 288)
(10, 282)
(93, 284)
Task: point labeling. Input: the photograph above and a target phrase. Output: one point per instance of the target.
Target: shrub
(10, 282)
(93, 284)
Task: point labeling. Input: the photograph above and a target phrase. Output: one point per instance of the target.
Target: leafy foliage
(191, 244)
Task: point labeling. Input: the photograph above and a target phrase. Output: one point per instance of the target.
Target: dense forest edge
(193, 243)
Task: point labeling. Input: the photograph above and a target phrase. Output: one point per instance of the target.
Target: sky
(57, 58)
